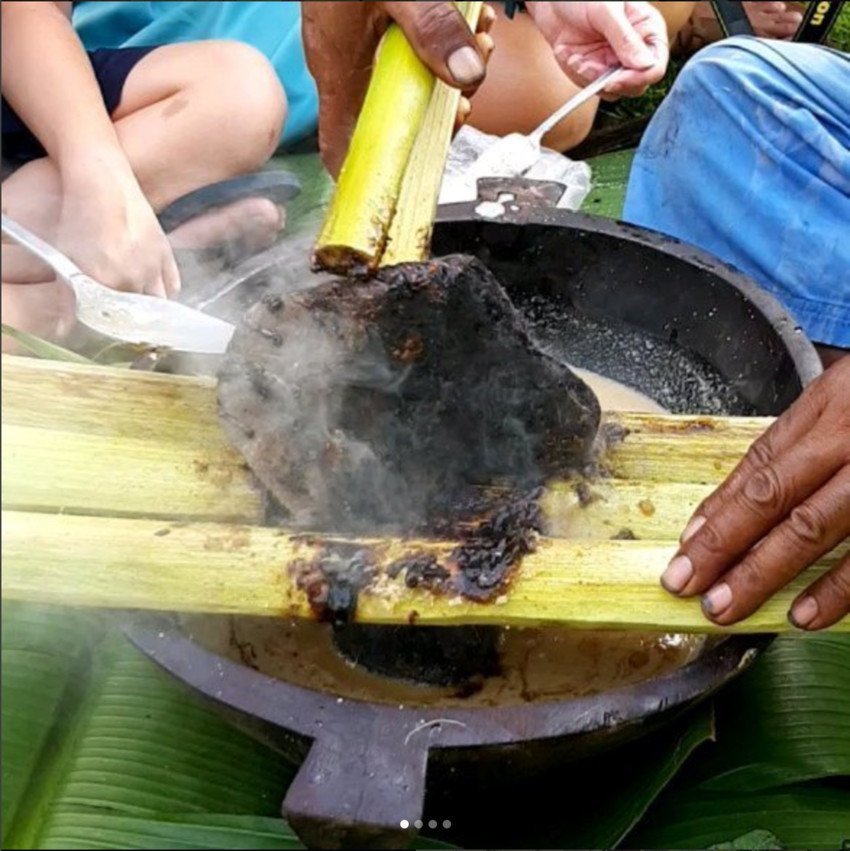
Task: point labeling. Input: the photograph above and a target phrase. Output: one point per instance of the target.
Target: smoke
(371, 404)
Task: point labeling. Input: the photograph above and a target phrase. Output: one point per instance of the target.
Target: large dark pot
(366, 766)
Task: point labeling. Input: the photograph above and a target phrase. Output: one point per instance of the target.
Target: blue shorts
(111, 68)
(273, 28)
(749, 159)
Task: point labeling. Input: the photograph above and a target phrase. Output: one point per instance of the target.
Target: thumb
(442, 40)
(622, 37)
(339, 46)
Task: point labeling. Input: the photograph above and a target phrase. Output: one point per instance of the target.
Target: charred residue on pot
(333, 579)
(492, 549)
(495, 532)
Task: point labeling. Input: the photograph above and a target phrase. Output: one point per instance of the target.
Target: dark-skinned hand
(785, 505)
(340, 40)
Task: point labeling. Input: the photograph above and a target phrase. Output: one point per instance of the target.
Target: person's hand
(589, 38)
(107, 227)
(340, 40)
(784, 506)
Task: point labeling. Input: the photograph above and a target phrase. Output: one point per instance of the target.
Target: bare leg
(190, 115)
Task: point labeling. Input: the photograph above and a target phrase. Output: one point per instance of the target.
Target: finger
(584, 68)
(156, 287)
(486, 45)
(763, 501)
(171, 275)
(826, 601)
(487, 19)
(627, 44)
(786, 432)
(464, 110)
(570, 64)
(339, 44)
(813, 529)
(629, 84)
(442, 40)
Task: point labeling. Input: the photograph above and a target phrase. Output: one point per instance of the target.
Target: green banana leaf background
(100, 749)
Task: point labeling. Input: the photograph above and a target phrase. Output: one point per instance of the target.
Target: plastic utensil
(514, 154)
(129, 317)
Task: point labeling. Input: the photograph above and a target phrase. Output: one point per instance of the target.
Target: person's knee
(572, 131)
(738, 58)
(247, 88)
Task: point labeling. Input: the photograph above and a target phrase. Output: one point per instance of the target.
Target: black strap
(732, 18)
(818, 22)
(511, 8)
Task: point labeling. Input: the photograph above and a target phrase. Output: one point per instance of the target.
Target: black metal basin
(366, 766)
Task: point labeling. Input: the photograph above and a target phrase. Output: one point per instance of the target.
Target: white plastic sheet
(471, 157)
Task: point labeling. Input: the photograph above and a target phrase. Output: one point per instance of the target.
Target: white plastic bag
(465, 166)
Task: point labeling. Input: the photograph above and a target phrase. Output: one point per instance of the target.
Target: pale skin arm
(106, 224)
(676, 15)
(587, 39)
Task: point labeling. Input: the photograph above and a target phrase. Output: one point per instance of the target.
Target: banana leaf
(614, 808)
(812, 816)
(42, 348)
(117, 754)
(785, 721)
(758, 840)
(103, 750)
(595, 803)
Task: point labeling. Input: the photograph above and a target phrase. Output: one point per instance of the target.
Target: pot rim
(307, 711)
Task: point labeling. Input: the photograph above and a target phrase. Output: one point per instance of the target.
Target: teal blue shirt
(274, 28)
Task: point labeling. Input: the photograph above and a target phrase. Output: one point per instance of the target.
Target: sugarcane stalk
(409, 239)
(111, 479)
(358, 221)
(114, 442)
(245, 570)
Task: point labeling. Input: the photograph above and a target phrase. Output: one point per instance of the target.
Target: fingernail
(464, 108)
(804, 612)
(692, 528)
(716, 601)
(466, 66)
(643, 57)
(677, 575)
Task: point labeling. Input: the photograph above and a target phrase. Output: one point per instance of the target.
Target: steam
(371, 405)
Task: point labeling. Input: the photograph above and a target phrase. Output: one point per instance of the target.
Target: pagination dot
(404, 824)
(418, 824)
(432, 824)
(447, 824)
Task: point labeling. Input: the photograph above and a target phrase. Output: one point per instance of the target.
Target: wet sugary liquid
(614, 396)
(537, 664)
